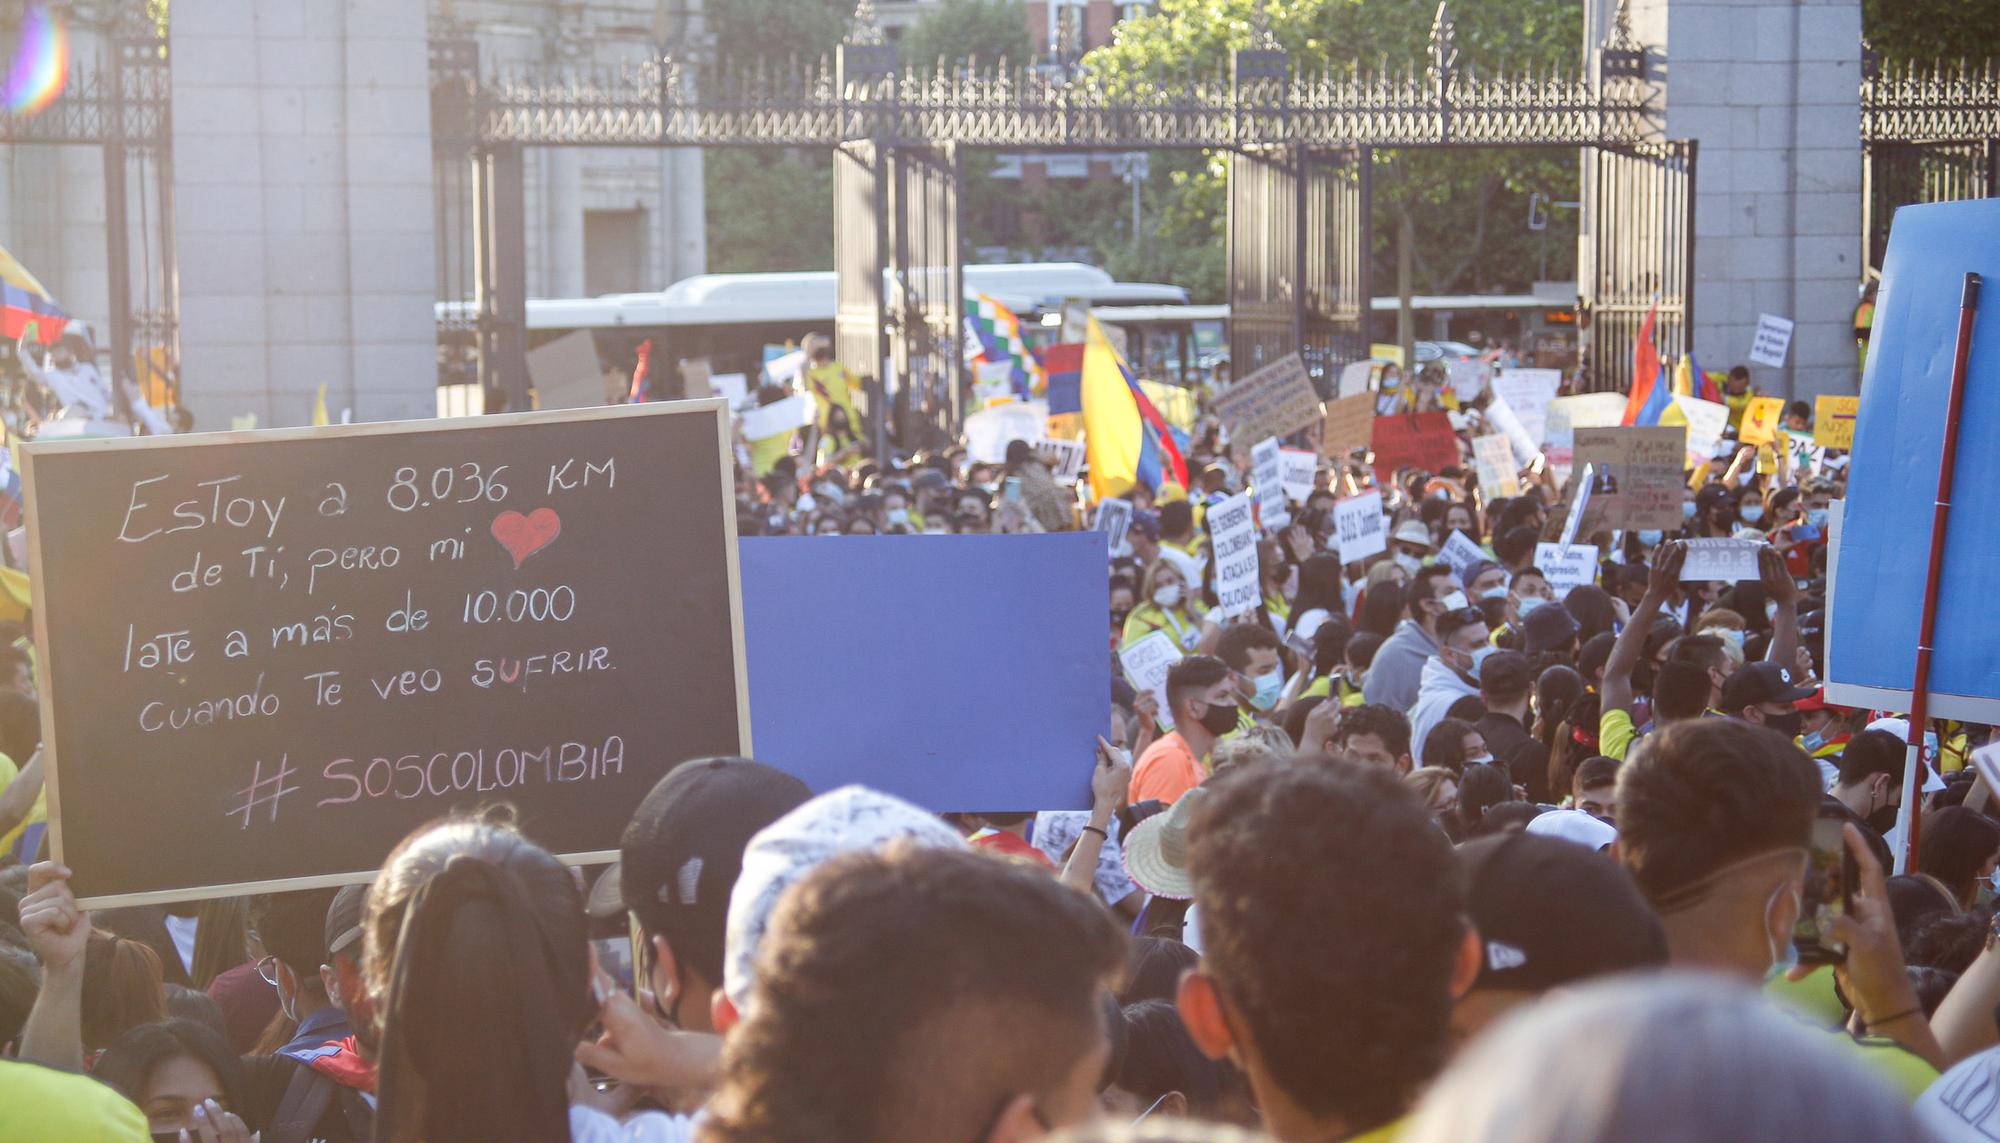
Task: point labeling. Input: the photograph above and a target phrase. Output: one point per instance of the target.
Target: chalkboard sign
(268, 656)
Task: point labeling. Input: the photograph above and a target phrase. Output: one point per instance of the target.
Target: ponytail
(487, 993)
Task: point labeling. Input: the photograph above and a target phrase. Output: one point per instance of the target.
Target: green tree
(1469, 207)
(959, 30)
(769, 209)
(1932, 29)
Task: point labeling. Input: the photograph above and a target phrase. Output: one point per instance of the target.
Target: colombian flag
(1651, 393)
(1126, 440)
(1064, 365)
(24, 301)
(1690, 381)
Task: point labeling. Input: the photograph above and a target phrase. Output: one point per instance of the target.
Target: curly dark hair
(907, 993)
(1374, 718)
(1697, 796)
(1331, 919)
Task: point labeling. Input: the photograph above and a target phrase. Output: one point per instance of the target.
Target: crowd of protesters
(1405, 853)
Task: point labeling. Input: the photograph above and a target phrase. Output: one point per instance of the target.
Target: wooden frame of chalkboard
(625, 624)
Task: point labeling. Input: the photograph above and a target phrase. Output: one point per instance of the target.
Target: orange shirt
(1166, 770)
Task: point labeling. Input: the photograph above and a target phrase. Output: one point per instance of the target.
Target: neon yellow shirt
(37, 813)
(1615, 733)
(44, 1103)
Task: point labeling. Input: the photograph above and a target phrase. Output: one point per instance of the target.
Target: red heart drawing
(523, 536)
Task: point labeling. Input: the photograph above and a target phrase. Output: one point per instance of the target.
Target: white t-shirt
(589, 1125)
(1960, 1105)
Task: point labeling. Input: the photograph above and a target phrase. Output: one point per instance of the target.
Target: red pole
(1968, 308)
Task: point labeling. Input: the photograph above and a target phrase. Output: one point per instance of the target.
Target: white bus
(730, 318)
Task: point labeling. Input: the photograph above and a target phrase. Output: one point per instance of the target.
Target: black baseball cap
(1757, 682)
(1551, 912)
(683, 849)
(343, 921)
(1548, 627)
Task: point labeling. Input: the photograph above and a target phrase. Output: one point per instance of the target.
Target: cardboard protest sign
(1761, 418)
(1497, 470)
(1030, 607)
(251, 640)
(1833, 421)
(1114, 518)
(1721, 559)
(1232, 537)
(1528, 392)
(1349, 425)
(1268, 476)
(1773, 341)
(1275, 401)
(1063, 458)
(1362, 528)
(1413, 440)
(1705, 422)
(1299, 469)
(1885, 539)
(1459, 553)
(1567, 566)
(1637, 481)
(566, 373)
(1146, 662)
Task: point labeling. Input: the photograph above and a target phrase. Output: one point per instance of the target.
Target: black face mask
(1220, 719)
(1883, 819)
(1787, 724)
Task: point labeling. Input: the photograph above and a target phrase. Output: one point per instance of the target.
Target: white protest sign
(1528, 392)
(1459, 553)
(1526, 447)
(988, 430)
(1064, 458)
(1729, 560)
(733, 387)
(1773, 341)
(1232, 536)
(1705, 421)
(992, 381)
(1567, 565)
(1576, 507)
(1146, 662)
(781, 370)
(1495, 458)
(1267, 473)
(1568, 414)
(1468, 378)
(1298, 467)
(1362, 528)
(778, 418)
(1114, 519)
(1354, 378)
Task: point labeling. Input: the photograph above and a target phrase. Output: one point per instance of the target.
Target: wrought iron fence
(1930, 132)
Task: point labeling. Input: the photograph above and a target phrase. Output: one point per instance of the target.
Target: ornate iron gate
(1929, 133)
(120, 102)
(1637, 252)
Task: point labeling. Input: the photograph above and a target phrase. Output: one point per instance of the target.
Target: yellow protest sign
(1833, 421)
(1760, 420)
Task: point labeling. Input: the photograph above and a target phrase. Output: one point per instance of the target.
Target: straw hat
(1156, 850)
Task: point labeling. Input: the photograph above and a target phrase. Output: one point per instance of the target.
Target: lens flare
(41, 63)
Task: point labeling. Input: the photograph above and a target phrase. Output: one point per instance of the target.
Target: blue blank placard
(960, 672)
(1886, 526)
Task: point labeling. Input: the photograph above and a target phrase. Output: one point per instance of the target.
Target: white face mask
(1494, 593)
(1409, 563)
(1456, 601)
(1167, 595)
(1529, 603)
(1482, 760)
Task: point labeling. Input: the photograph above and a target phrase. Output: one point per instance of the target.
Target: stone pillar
(302, 183)
(1771, 88)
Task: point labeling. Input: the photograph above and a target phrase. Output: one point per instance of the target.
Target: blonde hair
(1428, 780)
(1259, 742)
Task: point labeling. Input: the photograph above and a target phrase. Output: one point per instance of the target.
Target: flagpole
(1968, 309)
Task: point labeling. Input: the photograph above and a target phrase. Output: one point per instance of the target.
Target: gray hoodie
(1397, 671)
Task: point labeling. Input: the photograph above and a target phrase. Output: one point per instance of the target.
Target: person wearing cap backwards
(1550, 913)
(1396, 675)
(677, 862)
(1715, 820)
